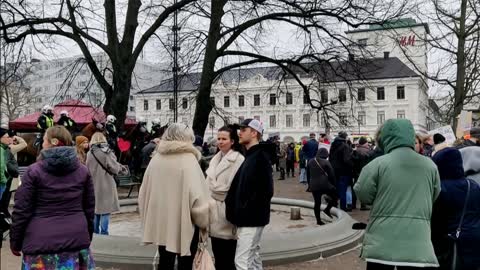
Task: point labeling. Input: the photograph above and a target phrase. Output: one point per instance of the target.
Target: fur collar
(176, 147)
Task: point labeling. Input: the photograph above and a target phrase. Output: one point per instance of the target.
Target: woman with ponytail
(223, 167)
(52, 221)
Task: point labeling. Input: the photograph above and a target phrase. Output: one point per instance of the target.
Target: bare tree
(236, 29)
(93, 27)
(454, 42)
(15, 95)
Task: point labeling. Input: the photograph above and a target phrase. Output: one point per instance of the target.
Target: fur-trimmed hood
(177, 147)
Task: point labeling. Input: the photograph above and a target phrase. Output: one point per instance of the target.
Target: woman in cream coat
(174, 200)
(223, 167)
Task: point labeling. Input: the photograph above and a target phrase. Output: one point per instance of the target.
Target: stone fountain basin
(284, 241)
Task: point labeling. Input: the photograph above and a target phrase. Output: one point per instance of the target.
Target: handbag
(117, 182)
(456, 237)
(203, 260)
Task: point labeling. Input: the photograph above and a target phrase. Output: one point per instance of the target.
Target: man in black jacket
(248, 200)
(341, 160)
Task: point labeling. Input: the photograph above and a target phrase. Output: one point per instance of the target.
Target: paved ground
(289, 189)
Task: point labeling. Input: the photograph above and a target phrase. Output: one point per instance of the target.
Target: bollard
(295, 213)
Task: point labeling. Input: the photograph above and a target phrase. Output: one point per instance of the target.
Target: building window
(400, 92)
(401, 114)
(256, 100)
(132, 109)
(273, 99)
(323, 95)
(83, 72)
(380, 117)
(362, 42)
(305, 99)
(380, 93)
(289, 99)
(289, 120)
(241, 119)
(212, 101)
(362, 118)
(185, 120)
(145, 105)
(273, 121)
(257, 117)
(184, 103)
(342, 95)
(171, 104)
(226, 101)
(211, 121)
(306, 120)
(159, 104)
(361, 94)
(241, 101)
(342, 117)
(131, 97)
(67, 97)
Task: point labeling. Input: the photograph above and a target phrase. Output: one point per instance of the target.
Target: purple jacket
(54, 206)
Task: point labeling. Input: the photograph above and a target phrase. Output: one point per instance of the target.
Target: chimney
(351, 57)
(386, 55)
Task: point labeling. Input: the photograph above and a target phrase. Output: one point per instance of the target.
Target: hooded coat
(471, 162)
(174, 197)
(447, 212)
(54, 206)
(105, 187)
(401, 186)
(341, 157)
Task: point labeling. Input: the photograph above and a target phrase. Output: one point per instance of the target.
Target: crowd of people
(423, 193)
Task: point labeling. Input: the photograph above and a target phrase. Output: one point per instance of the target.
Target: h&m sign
(407, 40)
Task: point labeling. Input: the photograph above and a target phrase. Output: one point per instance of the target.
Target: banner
(447, 132)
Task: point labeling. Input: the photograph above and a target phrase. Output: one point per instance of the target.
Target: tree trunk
(116, 101)
(460, 81)
(203, 105)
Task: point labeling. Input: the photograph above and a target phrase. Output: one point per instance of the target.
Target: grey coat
(471, 162)
(106, 196)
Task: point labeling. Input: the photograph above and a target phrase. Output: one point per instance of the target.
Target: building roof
(325, 72)
(81, 112)
(394, 24)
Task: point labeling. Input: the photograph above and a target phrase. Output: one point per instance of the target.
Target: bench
(128, 181)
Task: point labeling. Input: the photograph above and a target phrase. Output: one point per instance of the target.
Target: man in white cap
(248, 200)
(67, 122)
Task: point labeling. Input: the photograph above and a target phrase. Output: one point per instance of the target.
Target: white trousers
(247, 256)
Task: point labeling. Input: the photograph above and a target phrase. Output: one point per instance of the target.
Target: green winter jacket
(401, 186)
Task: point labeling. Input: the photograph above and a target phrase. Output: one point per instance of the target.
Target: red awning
(79, 111)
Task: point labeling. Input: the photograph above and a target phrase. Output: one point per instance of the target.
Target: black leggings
(317, 198)
(224, 253)
(291, 167)
(167, 258)
(378, 266)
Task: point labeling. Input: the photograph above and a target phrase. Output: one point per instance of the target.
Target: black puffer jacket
(341, 157)
(248, 200)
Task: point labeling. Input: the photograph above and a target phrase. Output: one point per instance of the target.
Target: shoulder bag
(203, 260)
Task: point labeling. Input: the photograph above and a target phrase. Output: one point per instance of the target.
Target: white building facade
(388, 87)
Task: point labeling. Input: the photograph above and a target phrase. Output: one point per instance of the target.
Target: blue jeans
(342, 185)
(303, 176)
(2, 190)
(100, 224)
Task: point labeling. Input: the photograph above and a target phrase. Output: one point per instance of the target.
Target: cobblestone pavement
(289, 188)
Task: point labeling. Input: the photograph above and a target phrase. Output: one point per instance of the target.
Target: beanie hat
(438, 138)
(450, 163)
(342, 134)
(80, 139)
